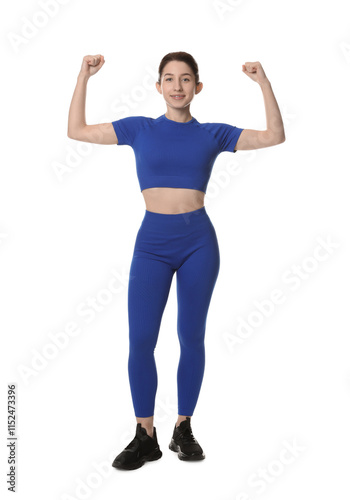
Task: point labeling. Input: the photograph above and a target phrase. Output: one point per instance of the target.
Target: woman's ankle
(180, 418)
(146, 423)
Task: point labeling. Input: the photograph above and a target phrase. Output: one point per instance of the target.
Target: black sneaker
(184, 443)
(141, 449)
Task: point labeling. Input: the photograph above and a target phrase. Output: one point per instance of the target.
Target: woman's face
(178, 80)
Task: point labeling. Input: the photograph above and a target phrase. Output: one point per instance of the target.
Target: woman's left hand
(255, 71)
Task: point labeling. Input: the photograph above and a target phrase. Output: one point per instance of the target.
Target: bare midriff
(173, 200)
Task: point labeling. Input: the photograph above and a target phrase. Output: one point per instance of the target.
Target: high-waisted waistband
(169, 222)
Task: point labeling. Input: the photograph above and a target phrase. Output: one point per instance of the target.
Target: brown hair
(179, 56)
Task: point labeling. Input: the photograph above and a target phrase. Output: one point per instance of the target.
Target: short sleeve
(227, 136)
(126, 129)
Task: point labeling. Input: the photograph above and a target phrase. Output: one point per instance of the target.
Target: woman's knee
(142, 342)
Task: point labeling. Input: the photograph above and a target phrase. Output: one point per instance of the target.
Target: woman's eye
(170, 79)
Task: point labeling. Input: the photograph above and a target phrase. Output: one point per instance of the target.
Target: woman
(174, 158)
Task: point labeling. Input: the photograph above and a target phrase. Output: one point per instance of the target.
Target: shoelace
(187, 436)
(133, 444)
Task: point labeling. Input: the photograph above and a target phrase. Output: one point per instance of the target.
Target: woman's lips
(178, 97)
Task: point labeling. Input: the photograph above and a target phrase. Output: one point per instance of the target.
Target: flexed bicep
(256, 139)
(101, 133)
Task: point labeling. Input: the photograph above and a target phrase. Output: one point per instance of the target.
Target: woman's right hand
(91, 65)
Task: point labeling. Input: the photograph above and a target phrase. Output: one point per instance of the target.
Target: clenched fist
(255, 71)
(91, 65)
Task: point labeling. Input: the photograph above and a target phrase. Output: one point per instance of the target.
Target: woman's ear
(199, 87)
(158, 87)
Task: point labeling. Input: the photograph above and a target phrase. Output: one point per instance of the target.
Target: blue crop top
(175, 154)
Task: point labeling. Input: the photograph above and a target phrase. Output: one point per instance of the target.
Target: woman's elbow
(280, 139)
(76, 136)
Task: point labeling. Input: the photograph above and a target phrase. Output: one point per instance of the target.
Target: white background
(63, 238)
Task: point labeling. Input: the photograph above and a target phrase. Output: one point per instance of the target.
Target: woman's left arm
(274, 133)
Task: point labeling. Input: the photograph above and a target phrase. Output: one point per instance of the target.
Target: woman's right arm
(102, 133)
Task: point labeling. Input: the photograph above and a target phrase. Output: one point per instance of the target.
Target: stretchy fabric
(184, 243)
(175, 154)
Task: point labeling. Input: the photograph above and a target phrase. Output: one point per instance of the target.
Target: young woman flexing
(174, 156)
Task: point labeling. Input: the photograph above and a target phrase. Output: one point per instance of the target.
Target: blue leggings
(165, 243)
